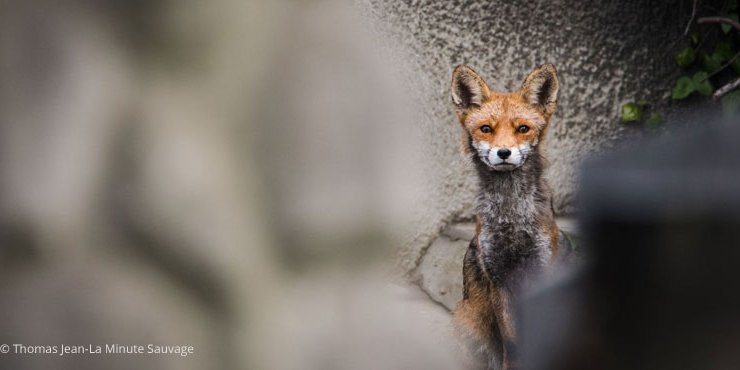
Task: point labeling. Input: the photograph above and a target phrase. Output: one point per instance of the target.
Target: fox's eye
(486, 129)
(523, 129)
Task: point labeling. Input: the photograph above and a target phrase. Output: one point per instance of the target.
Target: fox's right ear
(468, 89)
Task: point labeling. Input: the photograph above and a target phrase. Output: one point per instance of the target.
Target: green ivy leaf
(726, 27)
(684, 87)
(685, 57)
(724, 51)
(731, 103)
(655, 120)
(694, 37)
(701, 83)
(710, 62)
(631, 112)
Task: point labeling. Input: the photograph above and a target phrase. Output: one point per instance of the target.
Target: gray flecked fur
(511, 206)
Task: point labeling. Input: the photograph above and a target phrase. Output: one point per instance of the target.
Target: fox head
(503, 129)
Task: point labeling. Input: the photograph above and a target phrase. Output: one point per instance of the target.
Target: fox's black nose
(504, 153)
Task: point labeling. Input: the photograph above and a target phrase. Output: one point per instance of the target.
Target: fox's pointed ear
(468, 88)
(540, 89)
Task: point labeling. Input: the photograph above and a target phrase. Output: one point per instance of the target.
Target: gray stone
(460, 231)
(568, 225)
(440, 271)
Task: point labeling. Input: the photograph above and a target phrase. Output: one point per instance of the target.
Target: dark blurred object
(661, 223)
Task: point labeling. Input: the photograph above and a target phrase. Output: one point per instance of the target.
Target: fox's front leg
(503, 304)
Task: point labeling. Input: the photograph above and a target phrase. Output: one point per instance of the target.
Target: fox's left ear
(540, 88)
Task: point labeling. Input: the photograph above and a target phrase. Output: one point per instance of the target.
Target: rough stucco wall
(606, 53)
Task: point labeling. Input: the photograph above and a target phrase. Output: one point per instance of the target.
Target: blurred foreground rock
(203, 174)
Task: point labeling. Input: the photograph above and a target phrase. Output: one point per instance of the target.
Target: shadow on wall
(229, 176)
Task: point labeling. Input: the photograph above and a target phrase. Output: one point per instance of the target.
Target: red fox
(516, 232)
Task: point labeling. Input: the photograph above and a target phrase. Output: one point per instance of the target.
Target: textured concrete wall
(606, 53)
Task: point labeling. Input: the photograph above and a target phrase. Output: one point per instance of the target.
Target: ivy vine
(710, 62)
